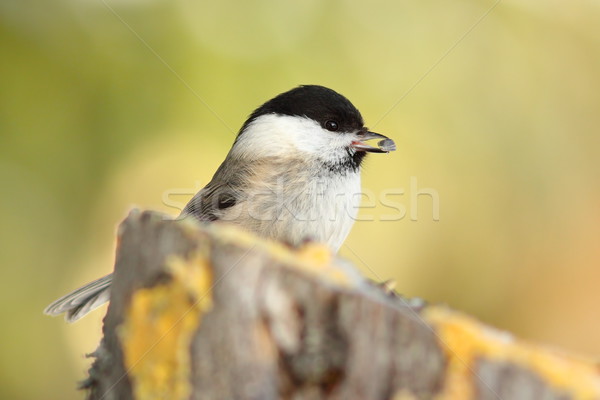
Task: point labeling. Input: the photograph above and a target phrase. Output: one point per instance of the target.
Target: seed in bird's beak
(387, 145)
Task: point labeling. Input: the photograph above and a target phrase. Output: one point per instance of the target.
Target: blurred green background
(107, 105)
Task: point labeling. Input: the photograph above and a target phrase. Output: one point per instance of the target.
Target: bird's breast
(296, 204)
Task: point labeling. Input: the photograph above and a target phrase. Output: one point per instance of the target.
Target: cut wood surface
(212, 312)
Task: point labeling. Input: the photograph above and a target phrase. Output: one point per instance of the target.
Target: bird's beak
(385, 145)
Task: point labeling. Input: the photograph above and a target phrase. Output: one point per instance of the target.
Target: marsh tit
(292, 174)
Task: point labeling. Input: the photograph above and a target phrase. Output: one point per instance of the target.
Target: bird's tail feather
(83, 300)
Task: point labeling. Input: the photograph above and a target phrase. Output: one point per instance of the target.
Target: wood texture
(209, 312)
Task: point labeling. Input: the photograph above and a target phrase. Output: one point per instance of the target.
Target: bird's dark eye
(331, 126)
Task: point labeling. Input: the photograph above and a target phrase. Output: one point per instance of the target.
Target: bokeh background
(106, 105)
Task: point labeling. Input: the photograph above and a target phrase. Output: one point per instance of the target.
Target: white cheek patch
(288, 136)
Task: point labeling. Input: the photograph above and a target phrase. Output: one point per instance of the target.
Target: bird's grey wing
(83, 300)
(225, 190)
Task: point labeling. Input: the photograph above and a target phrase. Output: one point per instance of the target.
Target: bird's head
(312, 123)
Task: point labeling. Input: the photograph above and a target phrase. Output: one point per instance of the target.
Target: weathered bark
(209, 312)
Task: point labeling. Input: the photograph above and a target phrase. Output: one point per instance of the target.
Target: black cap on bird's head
(315, 102)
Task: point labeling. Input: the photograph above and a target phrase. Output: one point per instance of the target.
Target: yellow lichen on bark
(158, 330)
(466, 340)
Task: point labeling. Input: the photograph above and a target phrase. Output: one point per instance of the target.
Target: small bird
(292, 174)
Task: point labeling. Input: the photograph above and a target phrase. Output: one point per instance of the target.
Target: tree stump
(212, 312)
